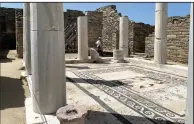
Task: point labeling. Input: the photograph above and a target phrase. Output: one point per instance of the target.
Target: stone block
(118, 55)
(171, 36)
(71, 115)
(94, 54)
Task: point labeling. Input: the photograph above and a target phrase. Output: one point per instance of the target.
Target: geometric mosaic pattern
(123, 93)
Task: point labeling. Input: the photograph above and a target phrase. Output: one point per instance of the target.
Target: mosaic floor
(134, 95)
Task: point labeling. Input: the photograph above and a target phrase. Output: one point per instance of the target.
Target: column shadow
(12, 93)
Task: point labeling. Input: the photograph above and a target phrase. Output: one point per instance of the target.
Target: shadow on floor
(107, 54)
(5, 60)
(111, 83)
(12, 93)
(77, 67)
(98, 117)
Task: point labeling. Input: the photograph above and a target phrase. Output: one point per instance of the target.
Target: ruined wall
(137, 31)
(94, 27)
(141, 31)
(177, 39)
(110, 26)
(7, 28)
(9, 14)
(70, 24)
(71, 15)
(19, 32)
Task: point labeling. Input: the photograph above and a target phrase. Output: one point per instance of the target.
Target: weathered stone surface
(94, 54)
(94, 27)
(118, 54)
(7, 25)
(71, 114)
(177, 40)
(19, 31)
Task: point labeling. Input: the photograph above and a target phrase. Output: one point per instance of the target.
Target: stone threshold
(31, 116)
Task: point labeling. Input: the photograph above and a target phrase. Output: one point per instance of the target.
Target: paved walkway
(13, 92)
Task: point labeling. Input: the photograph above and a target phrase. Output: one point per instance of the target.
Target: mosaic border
(143, 107)
(161, 76)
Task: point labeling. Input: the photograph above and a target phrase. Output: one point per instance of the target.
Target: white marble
(160, 49)
(94, 54)
(26, 37)
(124, 35)
(118, 55)
(49, 14)
(48, 51)
(82, 24)
(189, 105)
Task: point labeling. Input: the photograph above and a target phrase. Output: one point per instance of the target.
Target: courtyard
(123, 93)
(78, 68)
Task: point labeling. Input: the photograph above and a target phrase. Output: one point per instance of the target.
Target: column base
(118, 55)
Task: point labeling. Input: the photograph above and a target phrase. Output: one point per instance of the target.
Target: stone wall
(70, 19)
(71, 16)
(141, 31)
(7, 28)
(110, 26)
(137, 31)
(94, 27)
(19, 32)
(177, 39)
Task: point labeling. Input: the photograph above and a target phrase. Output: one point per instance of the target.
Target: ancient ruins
(104, 22)
(144, 81)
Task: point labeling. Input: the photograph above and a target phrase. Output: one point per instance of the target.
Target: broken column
(160, 49)
(123, 36)
(26, 37)
(189, 104)
(82, 24)
(48, 50)
(71, 114)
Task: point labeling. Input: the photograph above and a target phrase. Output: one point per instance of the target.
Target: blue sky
(138, 12)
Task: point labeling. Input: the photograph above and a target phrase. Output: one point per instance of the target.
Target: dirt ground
(13, 90)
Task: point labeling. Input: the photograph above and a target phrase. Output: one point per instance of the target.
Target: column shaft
(160, 49)
(48, 52)
(189, 104)
(26, 37)
(124, 36)
(82, 25)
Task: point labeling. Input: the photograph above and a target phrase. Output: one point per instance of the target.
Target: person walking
(99, 46)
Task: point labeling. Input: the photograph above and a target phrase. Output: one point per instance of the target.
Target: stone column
(48, 51)
(160, 49)
(124, 35)
(118, 53)
(189, 104)
(82, 24)
(26, 37)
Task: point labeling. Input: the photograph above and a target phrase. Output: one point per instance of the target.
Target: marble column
(26, 37)
(82, 24)
(48, 51)
(189, 104)
(124, 35)
(160, 49)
